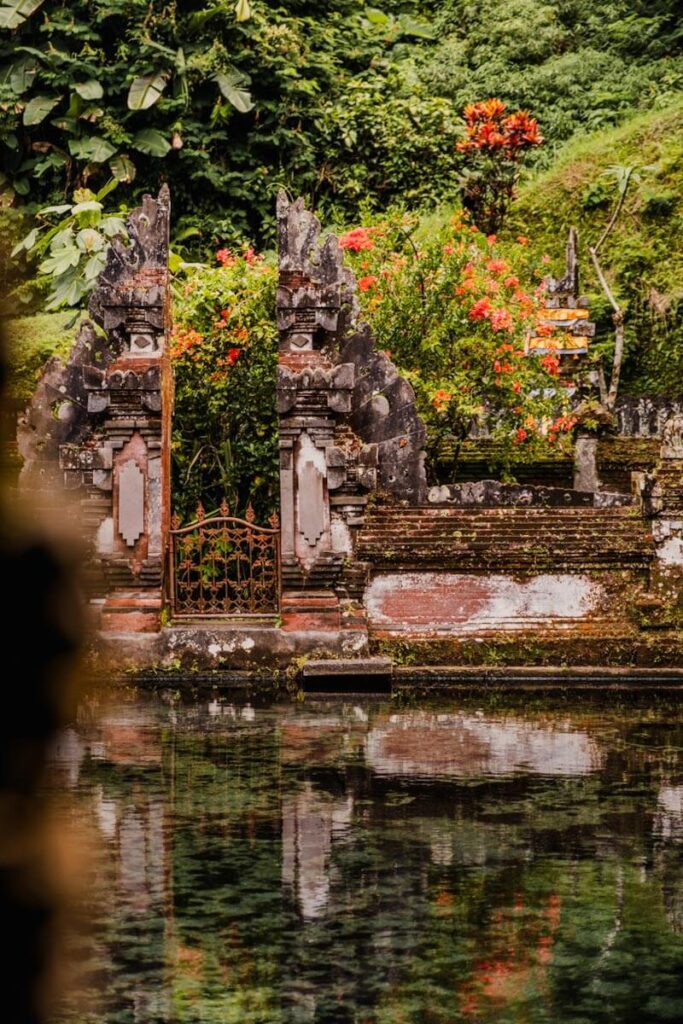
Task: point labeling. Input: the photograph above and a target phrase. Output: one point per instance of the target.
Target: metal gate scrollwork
(223, 565)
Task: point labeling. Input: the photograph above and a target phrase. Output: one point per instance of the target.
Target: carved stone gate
(222, 565)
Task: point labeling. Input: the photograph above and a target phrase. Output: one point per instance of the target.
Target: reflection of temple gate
(223, 565)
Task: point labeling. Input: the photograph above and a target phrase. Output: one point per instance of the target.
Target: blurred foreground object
(43, 624)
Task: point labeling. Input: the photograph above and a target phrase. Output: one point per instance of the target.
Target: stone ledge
(582, 675)
(347, 667)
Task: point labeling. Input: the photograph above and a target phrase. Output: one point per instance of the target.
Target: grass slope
(644, 255)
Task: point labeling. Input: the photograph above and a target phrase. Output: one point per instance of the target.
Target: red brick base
(316, 610)
(132, 612)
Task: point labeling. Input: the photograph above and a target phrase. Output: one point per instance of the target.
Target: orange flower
(501, 320)
(440, 399)
(368, 282)
(551, 364)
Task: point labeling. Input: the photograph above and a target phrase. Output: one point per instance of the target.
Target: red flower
(496, 266)
(491, 239)
(522, 239)
(511, 282)
(233, 355)
(356, 240)
(501, 320)
(224, 257)
(551, 364)
(520, 435)
(481, 309)
(516, 387)
(368, 282)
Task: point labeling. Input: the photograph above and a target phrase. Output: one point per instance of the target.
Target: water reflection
(424, 744)
(354, 862)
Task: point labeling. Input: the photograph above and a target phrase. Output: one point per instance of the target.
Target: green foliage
(224, 354)
(227, 102)
(32, 340)
(577, 65)
(74, 250)
(353, 106)
(643, 255)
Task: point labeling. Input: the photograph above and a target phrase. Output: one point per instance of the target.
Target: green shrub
(224, 351)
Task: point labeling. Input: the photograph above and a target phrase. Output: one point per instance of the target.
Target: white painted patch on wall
(105, 536)
(469, 603)
(341, 536)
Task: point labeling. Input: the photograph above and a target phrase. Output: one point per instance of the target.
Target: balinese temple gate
(579, 563)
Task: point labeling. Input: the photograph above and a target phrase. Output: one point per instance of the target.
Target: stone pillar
(113, 445)
(586, 464)
(312, 388)
(348, 425)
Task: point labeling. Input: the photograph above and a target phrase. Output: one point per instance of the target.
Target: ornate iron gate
(223, 565)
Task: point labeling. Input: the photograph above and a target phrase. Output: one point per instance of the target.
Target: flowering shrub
(494, 146)
(224, 353)
(453, 311)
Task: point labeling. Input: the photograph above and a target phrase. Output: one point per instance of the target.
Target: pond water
(358, 860)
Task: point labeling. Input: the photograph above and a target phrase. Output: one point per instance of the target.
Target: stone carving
(99, 423)
(384, 413)
(672, 437)
(314, 288)
(131, 505)
(311, 473)
(336, 383)
(130, 301)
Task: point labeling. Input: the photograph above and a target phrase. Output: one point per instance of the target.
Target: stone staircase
(508, 539)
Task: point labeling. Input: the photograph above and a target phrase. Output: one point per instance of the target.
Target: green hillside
(644, 254)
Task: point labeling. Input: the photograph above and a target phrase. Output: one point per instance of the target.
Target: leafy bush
(75, 248)
(494, 147)
(226, 101)
(352, 106)
(224, 351)
(453, 308)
